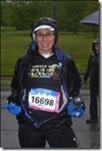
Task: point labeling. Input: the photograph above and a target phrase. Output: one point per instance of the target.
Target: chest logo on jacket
(45, 71)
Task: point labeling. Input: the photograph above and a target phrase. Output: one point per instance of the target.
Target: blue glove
(75, 110)
(12, 108)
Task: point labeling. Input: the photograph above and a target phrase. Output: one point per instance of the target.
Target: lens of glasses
(41, 35)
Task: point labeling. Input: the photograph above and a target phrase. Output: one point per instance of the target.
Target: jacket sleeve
(73, 78)
(15, 85)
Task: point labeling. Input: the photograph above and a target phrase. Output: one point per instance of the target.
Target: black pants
(94, 94)
(62, 137)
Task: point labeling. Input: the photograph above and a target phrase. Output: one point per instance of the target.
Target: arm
(75, 106)
(13, 104)
(15, 85)
(73, 78)
(87, 73)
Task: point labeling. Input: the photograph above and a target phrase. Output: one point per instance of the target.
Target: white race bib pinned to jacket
(44, 99)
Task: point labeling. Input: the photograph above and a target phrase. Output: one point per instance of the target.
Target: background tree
(22, 14)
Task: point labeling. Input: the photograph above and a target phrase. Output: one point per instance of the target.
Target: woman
(93, 72)
(44, 81)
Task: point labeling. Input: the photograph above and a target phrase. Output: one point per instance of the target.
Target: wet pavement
(88, 135)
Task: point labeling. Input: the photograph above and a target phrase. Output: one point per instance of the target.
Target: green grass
(15, 44)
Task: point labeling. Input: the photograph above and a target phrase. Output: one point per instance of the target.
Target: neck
(45, 52)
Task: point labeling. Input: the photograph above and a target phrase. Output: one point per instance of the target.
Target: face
(97, 46)
(45, 40)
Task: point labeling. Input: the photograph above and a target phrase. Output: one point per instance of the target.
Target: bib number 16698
(44, 101)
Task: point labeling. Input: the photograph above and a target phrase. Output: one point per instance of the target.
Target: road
(88, 135)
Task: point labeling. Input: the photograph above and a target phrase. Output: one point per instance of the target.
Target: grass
(15, 44)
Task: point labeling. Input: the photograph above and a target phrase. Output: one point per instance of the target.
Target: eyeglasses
(41, 35)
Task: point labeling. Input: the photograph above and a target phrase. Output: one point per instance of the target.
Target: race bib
(44, 99)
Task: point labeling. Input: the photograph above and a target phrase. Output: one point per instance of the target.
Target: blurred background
(75, 38)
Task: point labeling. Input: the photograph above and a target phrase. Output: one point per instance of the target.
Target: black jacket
(71, 80)
(92, 70)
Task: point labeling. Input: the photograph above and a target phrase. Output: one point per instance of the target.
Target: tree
(22, 14)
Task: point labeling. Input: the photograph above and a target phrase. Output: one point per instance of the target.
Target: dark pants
(94, 93)
(61, 137)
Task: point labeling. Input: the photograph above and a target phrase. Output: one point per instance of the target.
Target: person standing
(45, 91)
(93, 72)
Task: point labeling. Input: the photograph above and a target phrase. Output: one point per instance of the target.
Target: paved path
(88, 135)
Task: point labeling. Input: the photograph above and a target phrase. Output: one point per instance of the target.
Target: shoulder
(21, 60)
(69, 59)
